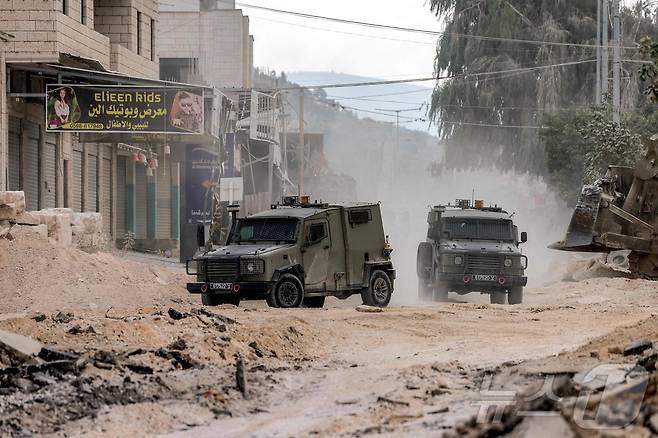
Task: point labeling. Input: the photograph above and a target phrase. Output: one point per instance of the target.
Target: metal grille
(484, 263)
(31, 177)
(49, 172)
(222, 269)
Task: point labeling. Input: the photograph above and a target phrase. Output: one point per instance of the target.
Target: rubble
(17, 199)
(63, 226)
(17, 350)
(637, 347)
(369, 309)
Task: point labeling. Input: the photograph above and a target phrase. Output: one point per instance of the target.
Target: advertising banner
(124, 109)
(201, 175)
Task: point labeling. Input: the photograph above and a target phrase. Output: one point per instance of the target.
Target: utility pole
(302, 143)
(604, 58)
(616, 63)
(397, 129)
(598, 53)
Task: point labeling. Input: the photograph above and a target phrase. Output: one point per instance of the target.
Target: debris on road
(637, 347)
(369, 309)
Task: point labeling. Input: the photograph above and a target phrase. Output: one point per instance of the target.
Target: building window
(139, 32)
(152, 39)
(65, 7)
(83, 11)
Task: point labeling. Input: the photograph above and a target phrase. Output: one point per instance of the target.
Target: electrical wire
(466, 75)
(416, 30)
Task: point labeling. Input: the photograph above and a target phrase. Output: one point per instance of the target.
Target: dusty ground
(321, 372)
(149, 361)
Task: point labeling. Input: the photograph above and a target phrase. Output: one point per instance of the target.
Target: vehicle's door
(337, 272)
(317, 243)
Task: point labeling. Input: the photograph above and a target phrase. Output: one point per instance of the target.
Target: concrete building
(104, 42)
(206, 42)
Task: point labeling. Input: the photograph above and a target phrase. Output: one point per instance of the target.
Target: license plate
(220, 286)
(485, 278)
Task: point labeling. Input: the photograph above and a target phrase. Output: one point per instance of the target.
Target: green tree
(492, 120)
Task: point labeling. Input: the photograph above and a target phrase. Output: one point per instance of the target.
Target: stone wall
(42, 31)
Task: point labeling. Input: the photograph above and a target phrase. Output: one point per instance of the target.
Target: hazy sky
(288, 43)
(281, 43)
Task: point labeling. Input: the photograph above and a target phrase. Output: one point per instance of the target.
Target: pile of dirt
(36, 275)
(185, 359)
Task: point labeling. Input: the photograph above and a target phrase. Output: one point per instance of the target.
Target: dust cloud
(406, 189)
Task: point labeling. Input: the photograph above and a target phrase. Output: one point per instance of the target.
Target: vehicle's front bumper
(245, 289)
(458, 279)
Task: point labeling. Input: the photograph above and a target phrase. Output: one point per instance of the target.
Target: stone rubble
(62, 226)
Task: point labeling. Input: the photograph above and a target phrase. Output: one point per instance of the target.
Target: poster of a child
(187, 112)
(63, 107)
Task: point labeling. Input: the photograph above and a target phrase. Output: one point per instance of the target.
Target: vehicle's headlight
(509, 263)
(459, 260)
(252, 266)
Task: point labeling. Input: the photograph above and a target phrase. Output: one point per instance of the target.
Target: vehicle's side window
(317, 232)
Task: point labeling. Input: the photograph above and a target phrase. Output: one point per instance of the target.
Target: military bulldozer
(620, 212)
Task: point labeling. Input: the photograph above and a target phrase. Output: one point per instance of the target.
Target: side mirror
(200, 236)
(524, 237)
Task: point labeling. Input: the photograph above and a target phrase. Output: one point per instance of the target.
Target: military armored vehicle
(471, 248)
(620, 212)
(298, 253)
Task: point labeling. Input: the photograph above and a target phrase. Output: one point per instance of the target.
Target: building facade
(100, 42)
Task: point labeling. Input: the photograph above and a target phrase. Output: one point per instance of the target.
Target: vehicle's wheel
(271, 299)
(379, 290)
(497, 297)
(440, 292)
(424, 290)
(515, 295)
(424, 260)
(289, 292)
(217, 300)
(314, 302)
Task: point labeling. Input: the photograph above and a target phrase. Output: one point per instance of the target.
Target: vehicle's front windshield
(265, 230)
(478, 229)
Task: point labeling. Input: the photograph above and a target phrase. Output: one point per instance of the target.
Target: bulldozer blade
(581, 231)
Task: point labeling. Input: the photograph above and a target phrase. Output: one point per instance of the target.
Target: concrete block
(8, 212)
(87, 224)
(17, 350)
(27, 218)
(41, 231)
(16, 198)
(62, 234)
(5, 228)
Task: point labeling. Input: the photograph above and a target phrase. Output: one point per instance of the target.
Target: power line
(416, 30)
(428, 43)
(466, 75)
(495, 126)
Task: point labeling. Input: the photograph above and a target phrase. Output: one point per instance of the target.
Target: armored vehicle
(620, 212)
(297, 254)
(471, 248)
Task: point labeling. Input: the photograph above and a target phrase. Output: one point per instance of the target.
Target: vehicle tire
(424, 290)
(424, 260)
(314, 302)
(515, 295)
(289, 292)
(440, 292)
(271, 299)
(497, 297)
(380, 288)
(217, 300)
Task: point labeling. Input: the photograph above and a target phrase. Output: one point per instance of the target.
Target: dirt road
(308, 372)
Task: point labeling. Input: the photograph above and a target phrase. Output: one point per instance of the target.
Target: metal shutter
(14, 153)
(76, 183)
(50, 165)
(31, 177)
(106, 202)
(163, 200)
(121, 198)
(140, 201)
(92, 178)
